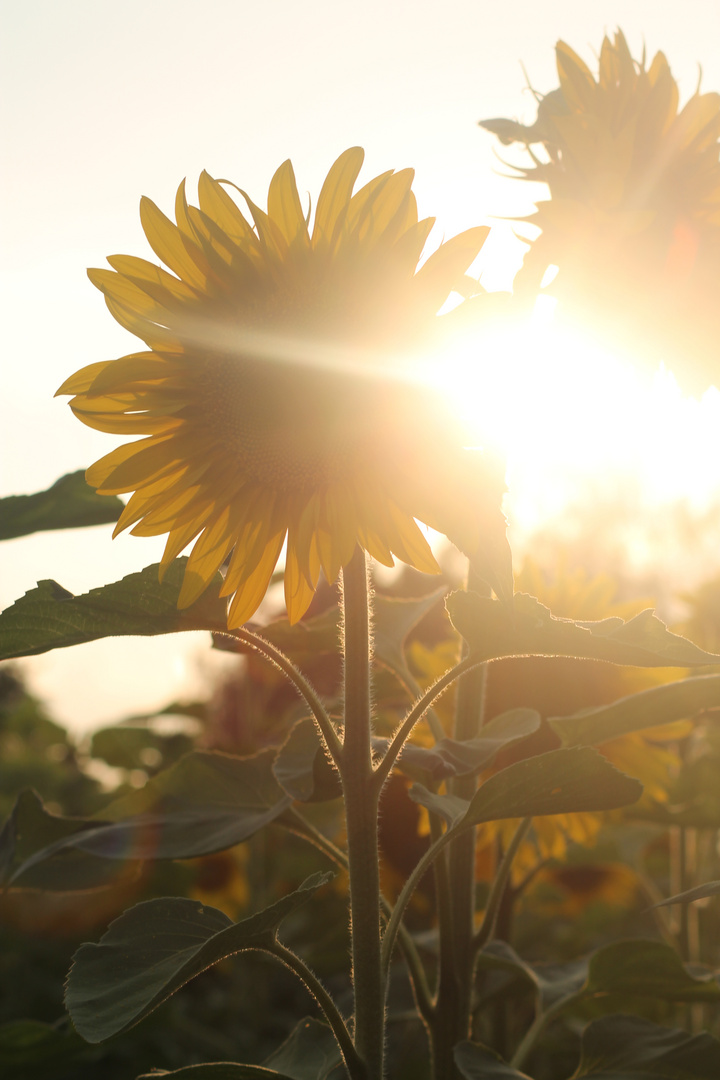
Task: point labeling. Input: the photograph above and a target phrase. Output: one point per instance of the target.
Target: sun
(564, 411)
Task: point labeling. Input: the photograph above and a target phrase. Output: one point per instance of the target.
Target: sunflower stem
(454, 1000)
(361, 798)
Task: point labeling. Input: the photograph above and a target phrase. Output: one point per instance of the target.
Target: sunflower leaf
(217, 1070)
(156, 947)
(310, 1052)
(627, 1047)
(644, 968)
(50, 617)
(206, 802)
(559, 782)
(493, 630)
(710, 888)
(302, 768)
(449, 757)
(39, 850)
(648, 708)
(478, 1062)
(69, 504)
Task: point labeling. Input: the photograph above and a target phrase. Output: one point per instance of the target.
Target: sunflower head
(633, 219)
(273, 400)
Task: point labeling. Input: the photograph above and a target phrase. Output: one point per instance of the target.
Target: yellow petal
(284, 205)
(335, 196)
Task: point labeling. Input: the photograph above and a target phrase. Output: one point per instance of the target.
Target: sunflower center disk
(288, 426)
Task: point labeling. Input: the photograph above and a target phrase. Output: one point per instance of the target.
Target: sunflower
(275, 400)
(633, 219)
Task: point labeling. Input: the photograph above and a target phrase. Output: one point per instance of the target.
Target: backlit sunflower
(633, 220)
(274, 399)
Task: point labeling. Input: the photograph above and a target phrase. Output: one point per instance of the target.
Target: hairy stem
(332, 1015)
(454, 1001)
(361, 795)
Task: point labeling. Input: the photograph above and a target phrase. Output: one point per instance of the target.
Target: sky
(105, 102)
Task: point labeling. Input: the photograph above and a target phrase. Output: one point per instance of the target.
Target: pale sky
(104, 102)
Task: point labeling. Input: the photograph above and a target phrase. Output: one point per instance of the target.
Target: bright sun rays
(566, 413)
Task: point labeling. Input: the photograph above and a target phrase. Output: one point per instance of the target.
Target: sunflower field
(457, 807)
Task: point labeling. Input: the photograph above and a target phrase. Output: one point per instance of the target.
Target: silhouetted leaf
(69, 504)
(32, 1050)
(218, 1070)
(309, 1053)
(648, 708)
(302, 767)
(50, 617)
(39, 850)
(710, 888)
(126, 747)
(630, 1048)
(494, 630)
(647, 969)
(478, 1062)
(558, 782)
(206, 802)
(448, 757)
(155, 948)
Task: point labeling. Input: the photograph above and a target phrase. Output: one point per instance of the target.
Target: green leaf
(558, 782)
(155, 948)
(452, 758)
(69, 504)
(711, 888)
(302, 767)
(551, 982)
(206, 802)
(50, 617)
(630, 1048)
(127, 747)
(32, 1050)
(218, 1070)
(478, 1062)
(649, 708)
(39, 850)
(647, 969)
(393, 620)
(493, 630)
(309, 1053)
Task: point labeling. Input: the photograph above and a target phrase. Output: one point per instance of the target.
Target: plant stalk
(361, 796)
(454, 1000)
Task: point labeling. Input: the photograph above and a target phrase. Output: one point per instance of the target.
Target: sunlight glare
(563, 410)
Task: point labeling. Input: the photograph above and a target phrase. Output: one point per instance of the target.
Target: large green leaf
(69, 504)
(558, 782)
(309, 1053)
(630, 1048)
(493, 630)
(302, 767)
(649, 708)
(644, 968)
(218, 1070)
(155, 948)
(206, 802)
(710, 888)
(33, 1050)
(50, 617)
(127, 747)
(477, 1062)
(39, 850)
